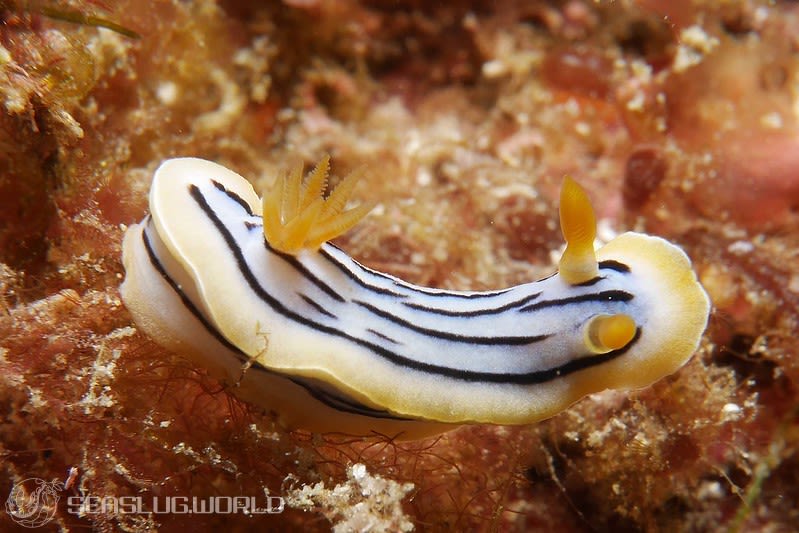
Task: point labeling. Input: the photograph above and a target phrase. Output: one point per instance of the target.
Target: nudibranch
(251, 290)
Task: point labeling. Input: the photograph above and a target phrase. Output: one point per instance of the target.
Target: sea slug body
(250, 289)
